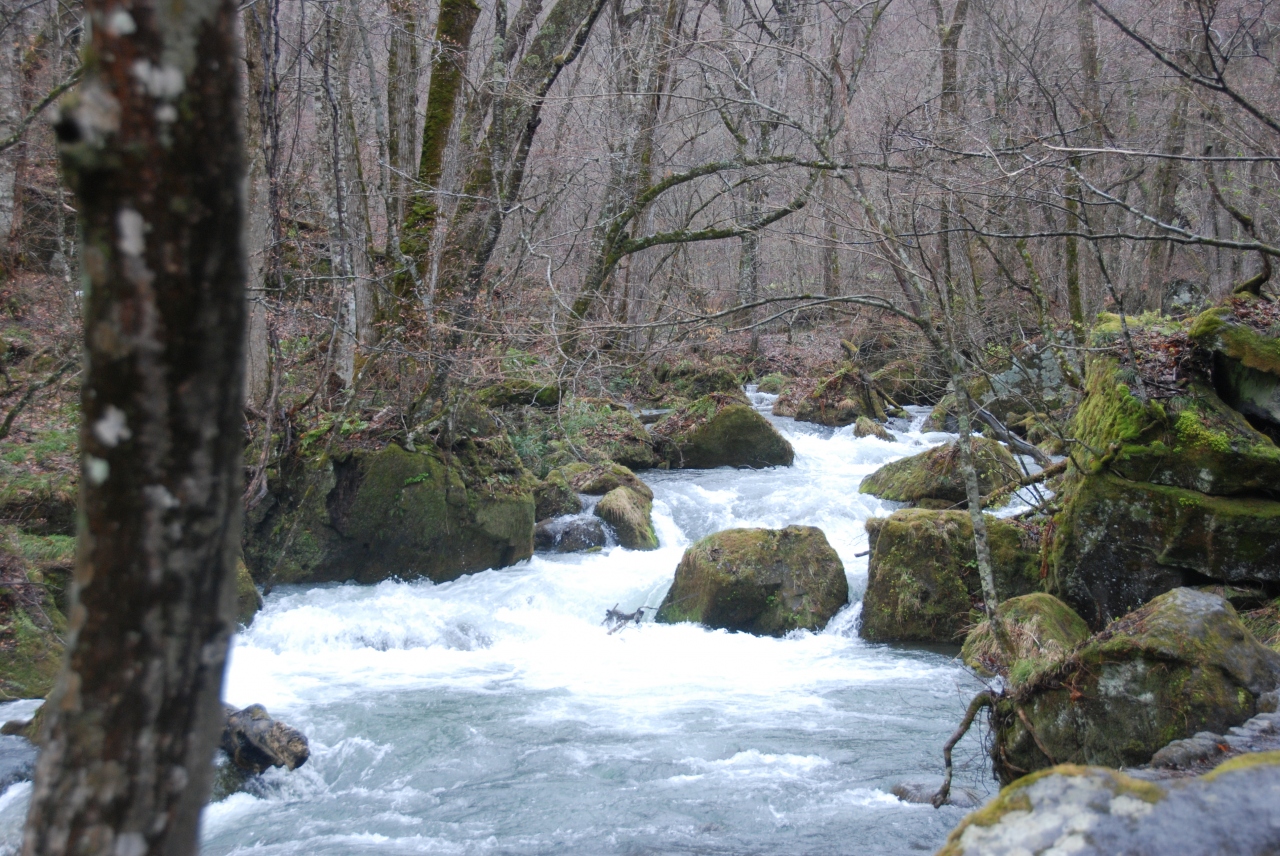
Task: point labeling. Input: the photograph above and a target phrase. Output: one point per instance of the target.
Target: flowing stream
(495, 715)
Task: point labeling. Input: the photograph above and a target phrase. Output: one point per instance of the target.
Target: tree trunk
(153, 149)
(259, 237)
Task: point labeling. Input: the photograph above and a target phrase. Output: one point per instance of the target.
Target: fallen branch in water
(1011, 439)
(621, 619)
(981, 700)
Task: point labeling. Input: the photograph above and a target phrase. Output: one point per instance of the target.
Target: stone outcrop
(1089, 811)
(629, 512)
(1179, 490)
(569, 535)
(554, 497)
(599, 479)
(1182, 664)
(719, 431)
(934, 475)
(371, 515)
(922, 577)
(762, 581)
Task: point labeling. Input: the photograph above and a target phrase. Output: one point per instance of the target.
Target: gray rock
(254, 741)
(569, 534)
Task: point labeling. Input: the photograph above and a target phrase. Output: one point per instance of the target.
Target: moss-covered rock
(773, 383)
(1245, 342)
(587, 430)
(599, 479)
(935, 473)
(922, 577)
(520, 392)
(31, 627)
(1042, 631)
(837, 401)
(1091, 811)
(1183, 663)
(719, 431)
(1192, 440)
(943, 416)
(369, 516)
(629, 512)
(248, 600)
(1119, 543)
(762, 581)
(688, 380)
(864, 427)
(909, 382)
(553, 497)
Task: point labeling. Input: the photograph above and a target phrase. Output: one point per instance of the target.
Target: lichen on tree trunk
(152, 146)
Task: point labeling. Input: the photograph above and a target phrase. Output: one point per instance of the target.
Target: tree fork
(152, 145)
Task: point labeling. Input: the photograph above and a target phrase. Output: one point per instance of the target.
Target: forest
(900, 379)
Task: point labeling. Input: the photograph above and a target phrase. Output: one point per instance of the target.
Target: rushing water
(495, 715)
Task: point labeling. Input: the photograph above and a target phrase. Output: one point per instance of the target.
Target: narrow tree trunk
(153, 150)
(258, 225)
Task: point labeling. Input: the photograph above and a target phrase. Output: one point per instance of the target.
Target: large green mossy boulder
(762, 581)
(719, 431)
(1041, 632)
(1192, 440)
(32, 626)
(599, 479)
(1091, 811)
(520, 392)
(1183, 663)
(922, 578)
(629, 512)
(1119, 543)
(372, 515)
(935, 474)
(687, 380)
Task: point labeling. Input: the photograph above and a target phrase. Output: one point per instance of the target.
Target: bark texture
(152, 146)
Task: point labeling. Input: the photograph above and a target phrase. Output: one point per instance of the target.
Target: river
(495, 715)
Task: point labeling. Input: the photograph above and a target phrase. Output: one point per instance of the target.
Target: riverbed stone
(1091, 811)
(1182, 664)
(630, 513)
(554, 497)
(720, 431)
(935, 474)
(255, 742)
(922, 577)
(865, 427)
(569, 535)
(599, 479)
(371, 515)
(768, 582)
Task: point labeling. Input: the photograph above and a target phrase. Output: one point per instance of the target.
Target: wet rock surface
(935, 474)
(630, 513)
(255, 742)
(721, 431)
(569, 535)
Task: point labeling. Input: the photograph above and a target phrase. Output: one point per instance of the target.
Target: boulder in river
(630, 513)
(865, 427)
(836, 401)
(922, 577)
(1182, 664)
(935, 474)
(255, 742)
(719, 430)
(599, 479)
(371, 515)
(554, 497)
(572, 534)
(1090, 811)
(762, 581)
(1043, 631)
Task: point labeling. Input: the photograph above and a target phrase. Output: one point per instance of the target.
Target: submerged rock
(719, 431)
(255, 742)
(1042, 630)
(1182, 664)
(554, 497)
(569, 535)
(922, 577)
(629, 512)
(371, 515)
(762, 581)
(935, 474)
(1091, 811)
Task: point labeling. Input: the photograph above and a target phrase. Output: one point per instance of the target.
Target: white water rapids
(495, 715)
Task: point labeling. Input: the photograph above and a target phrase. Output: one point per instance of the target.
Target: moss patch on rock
(599, 479)
(1119, 543)
(1042, 630)
(922, 578)
(629, 512)
(717, 431)
(836, 401)
(553, 497)
(762, 581)
(935, 474)
(864, 427)
(1181, 664)
(248, 600)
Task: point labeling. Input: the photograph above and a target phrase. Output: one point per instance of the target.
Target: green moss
(1217, 329)
(1042, 630)
(589, 430)
(762, 581)
(717, 431)
(935, 474)
(772, 383)
(629, 513)
(922, 578)
(248, 601)
(1248, 761)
